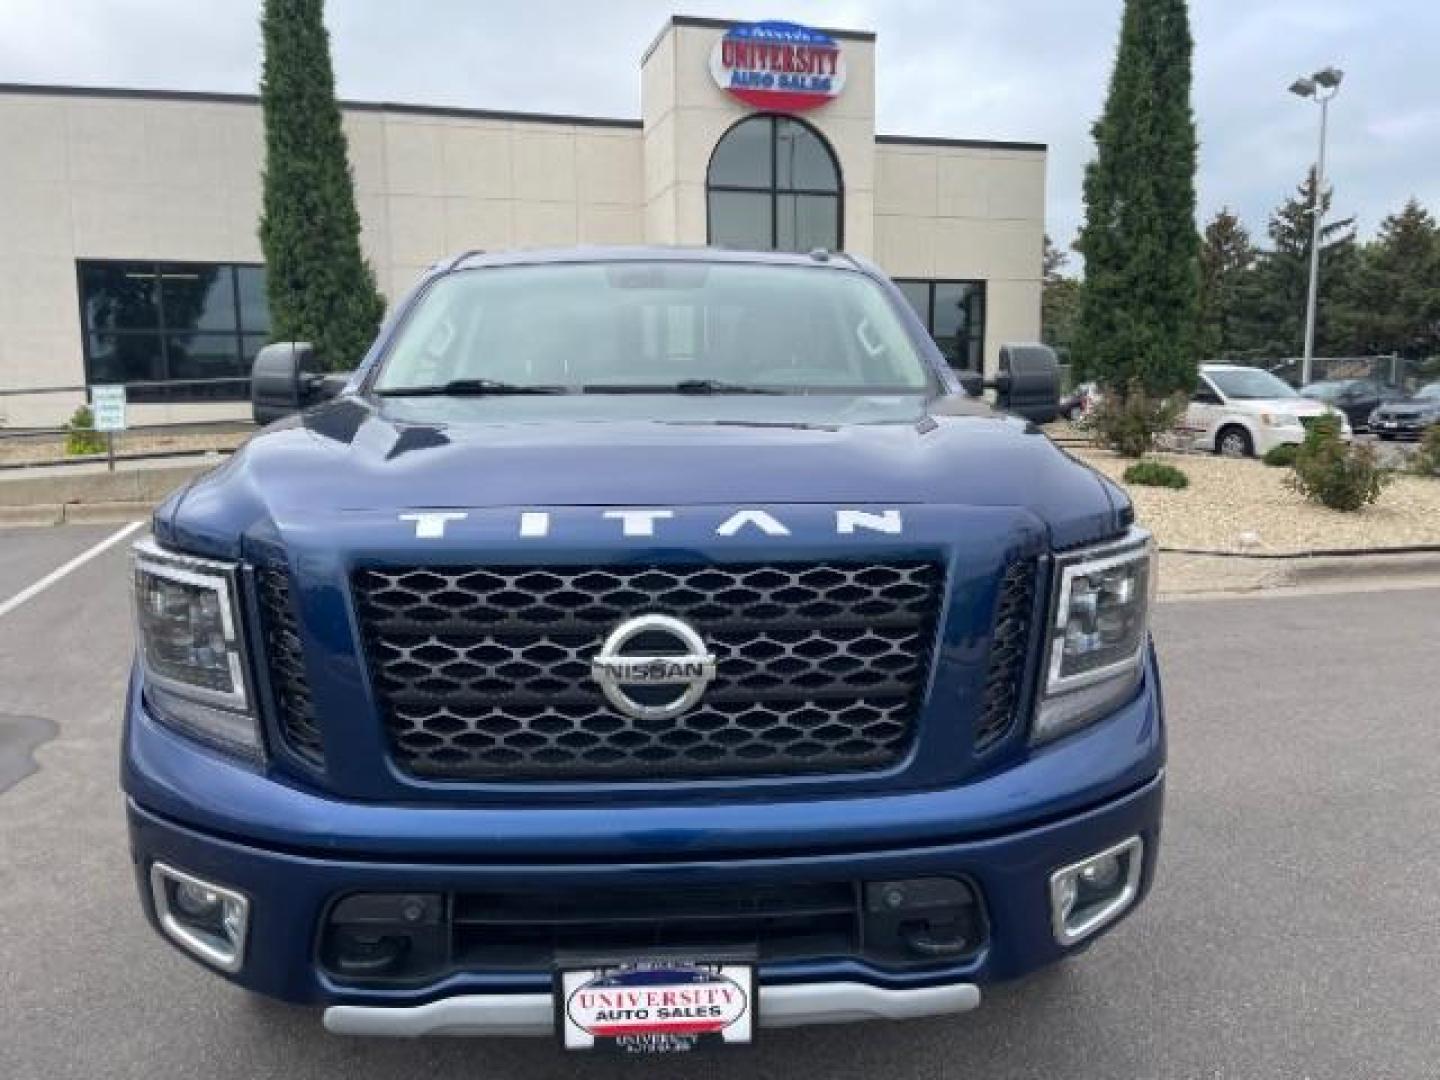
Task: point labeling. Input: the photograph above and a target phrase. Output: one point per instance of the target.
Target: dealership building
(128, 218)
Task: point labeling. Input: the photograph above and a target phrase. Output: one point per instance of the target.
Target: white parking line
(74, 564)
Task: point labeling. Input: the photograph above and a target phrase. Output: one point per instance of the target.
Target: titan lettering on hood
(647, 523)
(778, 66)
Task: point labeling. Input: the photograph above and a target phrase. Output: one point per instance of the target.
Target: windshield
(1250, 384)
(1429, 393)
(641, 326)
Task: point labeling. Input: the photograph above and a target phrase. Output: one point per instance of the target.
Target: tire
(1234, 442)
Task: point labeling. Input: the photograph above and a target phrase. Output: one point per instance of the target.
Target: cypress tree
(1138, 309)
(320, 287)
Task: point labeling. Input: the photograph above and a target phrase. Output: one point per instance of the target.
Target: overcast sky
(1001, 69)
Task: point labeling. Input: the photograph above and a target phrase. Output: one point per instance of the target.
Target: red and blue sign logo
(778, 66)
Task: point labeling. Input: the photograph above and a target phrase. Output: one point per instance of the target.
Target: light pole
(1320, 88)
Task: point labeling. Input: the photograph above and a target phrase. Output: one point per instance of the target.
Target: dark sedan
(1356, 398)
(1409, 418)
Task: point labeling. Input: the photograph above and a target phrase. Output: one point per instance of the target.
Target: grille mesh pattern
(484, 673)
(1014, 613)
(287, 665)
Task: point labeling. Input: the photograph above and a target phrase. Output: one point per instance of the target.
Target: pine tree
(1226, 259)
(1139, 301)
(1396, 304)
(320, 288)
(1276, 295)
(1059, 302)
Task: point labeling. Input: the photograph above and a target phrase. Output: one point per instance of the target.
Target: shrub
(1130, 423)
(80, 434)
(1156, 474)
(1426, 461)
(1282, 456)
(1333, 474)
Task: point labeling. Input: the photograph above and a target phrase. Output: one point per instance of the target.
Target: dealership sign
(778, 65)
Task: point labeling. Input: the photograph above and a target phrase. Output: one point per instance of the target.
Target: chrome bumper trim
(534, 1014)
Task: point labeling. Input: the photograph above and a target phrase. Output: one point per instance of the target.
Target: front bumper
(795, 1005)
(1402, 427)
(289, 893)
(292, 852)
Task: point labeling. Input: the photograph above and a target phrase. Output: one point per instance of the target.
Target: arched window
(774, 185)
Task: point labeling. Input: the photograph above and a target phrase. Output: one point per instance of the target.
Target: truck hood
(355, 455)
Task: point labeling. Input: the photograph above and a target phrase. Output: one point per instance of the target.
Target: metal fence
(1401, 372)
(39, 432)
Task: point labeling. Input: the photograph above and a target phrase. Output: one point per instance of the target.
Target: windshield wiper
(684, 386)
(468, 388)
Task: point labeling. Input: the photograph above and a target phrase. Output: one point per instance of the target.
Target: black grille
(520, 931)
(484, 673)
(1014, 615)
(400, 939)
(288, 682)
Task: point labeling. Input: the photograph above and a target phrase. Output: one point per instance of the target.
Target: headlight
(188, 629)
(1280, 419)
(1096, 638)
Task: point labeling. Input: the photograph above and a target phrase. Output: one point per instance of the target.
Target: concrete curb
(106, 513)
(148, 486)
(39, 514)
(1193, 575)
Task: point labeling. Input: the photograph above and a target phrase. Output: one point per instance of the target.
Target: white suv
(1243, 411)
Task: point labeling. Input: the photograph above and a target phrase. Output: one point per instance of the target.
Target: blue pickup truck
(640, 647)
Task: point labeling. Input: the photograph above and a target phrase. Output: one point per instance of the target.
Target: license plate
(656, 1006)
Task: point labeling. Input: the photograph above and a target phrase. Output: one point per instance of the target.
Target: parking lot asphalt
(1292, 931)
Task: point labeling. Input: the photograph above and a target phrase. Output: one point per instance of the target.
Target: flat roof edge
(217, 98)
(966, 144)
(707, 23)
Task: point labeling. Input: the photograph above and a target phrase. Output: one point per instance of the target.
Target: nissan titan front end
(644, 648)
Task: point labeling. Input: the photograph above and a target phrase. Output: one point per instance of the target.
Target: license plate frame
(713, 1002)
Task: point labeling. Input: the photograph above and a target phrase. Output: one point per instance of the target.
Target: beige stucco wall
(430, 186)
(944, 211)
(144, 178)
(685, 113)
(131, 176)
(108, 178)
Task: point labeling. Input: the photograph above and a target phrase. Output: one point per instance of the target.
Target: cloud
(1026, 69)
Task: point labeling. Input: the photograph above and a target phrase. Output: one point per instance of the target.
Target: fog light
(197, 902)
(1101, 874)
(1092, 893)
(203, 918)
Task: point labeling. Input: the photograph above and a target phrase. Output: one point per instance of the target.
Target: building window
(954, 313)
(173, 327)
(774, 185)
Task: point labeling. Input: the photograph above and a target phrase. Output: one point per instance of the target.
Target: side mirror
(1028, 383)
(286, 378)
(973, 382)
